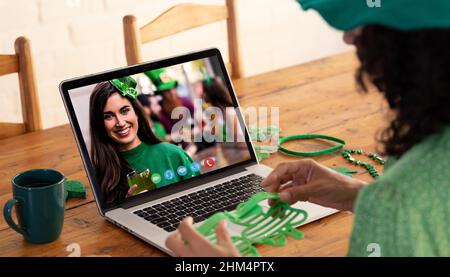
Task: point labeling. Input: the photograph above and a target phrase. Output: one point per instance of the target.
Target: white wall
(76, 37)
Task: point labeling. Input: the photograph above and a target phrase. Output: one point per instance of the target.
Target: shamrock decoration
(260, 225)
(126, 85)
(74, 189)
(346, 171)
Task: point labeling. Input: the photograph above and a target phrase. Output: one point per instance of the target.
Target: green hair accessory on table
(271, 135)
(311, 136)
(403, 15)
(127, 86)
(346, 153)
(260, 225)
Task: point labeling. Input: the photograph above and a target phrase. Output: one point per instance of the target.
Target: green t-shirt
(160, 158)
(159, 130)
(406, 212)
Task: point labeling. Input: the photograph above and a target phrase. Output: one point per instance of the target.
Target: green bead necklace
(260, 134)
(347, 154)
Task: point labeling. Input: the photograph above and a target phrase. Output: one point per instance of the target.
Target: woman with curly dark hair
(404, 49)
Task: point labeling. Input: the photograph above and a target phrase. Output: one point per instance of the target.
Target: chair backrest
(22, 63)
(180, 18)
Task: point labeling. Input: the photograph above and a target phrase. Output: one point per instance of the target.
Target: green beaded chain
(264, 151)
(346, 153)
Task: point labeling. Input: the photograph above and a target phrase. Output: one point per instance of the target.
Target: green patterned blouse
(406, 212)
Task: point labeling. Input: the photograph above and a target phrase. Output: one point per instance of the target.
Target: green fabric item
(159, 131)
(398, 14)
(75, 189)
(161, 79)
(159, 158)
(406, 211)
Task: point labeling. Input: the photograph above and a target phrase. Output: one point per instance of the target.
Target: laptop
(152, 164)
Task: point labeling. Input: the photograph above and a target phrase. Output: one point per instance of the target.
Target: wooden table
(318, 97)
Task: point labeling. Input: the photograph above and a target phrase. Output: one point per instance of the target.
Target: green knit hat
(404, 15)
(161, 80)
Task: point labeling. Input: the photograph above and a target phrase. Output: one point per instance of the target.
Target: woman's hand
(188, 242)
(131, 191)
(307, 180)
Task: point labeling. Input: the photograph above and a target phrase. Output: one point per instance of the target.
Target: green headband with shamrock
(127, 86)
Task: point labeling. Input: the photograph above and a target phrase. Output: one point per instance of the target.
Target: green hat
(161, 79)
(398, 14)
(126, 85)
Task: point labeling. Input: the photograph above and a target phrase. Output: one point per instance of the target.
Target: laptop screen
(156, 125)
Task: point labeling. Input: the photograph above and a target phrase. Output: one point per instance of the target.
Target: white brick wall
(76, 37)
(18, 14)
(56, 11)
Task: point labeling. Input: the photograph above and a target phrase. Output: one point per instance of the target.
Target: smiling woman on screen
(123, 144)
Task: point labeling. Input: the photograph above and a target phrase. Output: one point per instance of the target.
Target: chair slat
(8, 64)
(180, 18)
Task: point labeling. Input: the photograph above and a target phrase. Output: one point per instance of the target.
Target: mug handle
(7, 214)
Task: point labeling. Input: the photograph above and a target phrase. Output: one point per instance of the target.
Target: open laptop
(180, 177)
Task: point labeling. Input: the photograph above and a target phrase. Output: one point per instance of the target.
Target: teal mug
(39, 199)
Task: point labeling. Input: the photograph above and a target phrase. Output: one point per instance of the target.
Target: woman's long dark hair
(110, 168)
(412, 70)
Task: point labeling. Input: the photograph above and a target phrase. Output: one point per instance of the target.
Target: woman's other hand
(307, 180)
(188, 242)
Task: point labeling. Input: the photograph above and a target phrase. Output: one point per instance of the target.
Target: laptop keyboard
(203, 203)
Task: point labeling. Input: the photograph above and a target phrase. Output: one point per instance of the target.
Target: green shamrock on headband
(126, 85)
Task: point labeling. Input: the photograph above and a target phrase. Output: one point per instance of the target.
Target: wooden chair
(22, 63)
(180, 18)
